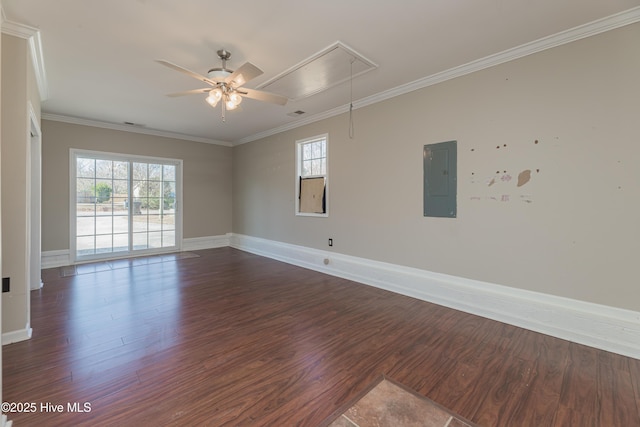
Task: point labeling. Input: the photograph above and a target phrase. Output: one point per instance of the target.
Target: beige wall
(571, 231)
(1, 298)
(206, 177)
(17, 74)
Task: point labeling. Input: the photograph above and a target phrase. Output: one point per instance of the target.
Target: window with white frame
(311, 176)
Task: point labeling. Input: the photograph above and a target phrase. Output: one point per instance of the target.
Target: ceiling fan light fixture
(235, 98)
(226, 84)
(232, 99)
(214, 96)
(231, 105)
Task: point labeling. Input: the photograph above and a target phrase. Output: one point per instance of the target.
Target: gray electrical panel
(440, 187)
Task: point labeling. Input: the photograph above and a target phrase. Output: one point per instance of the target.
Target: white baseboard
(209, 242)
(53, 259)
(17, 336)
(607, 328)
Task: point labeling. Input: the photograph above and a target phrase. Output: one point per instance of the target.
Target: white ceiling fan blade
(189, 92)
(185, 71)
(263, 96)
(246, 72)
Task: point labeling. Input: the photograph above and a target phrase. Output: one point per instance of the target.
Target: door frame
(35, 201)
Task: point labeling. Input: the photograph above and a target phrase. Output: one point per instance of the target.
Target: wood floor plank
(614, 384)
(634, 369)
(579, 388)
(228, 338)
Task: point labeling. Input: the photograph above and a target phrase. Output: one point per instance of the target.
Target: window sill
(319, 215)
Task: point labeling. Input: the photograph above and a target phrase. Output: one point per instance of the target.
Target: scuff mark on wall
(524, 177)
(526, 198)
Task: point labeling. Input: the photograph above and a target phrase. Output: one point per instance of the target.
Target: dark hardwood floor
(229, 338)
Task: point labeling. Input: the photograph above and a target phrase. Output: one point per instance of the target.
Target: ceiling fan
(226, 85)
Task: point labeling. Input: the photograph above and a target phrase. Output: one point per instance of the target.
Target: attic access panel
(319, 72)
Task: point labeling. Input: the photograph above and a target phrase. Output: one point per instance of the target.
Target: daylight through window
(123, 205)
(311, 175)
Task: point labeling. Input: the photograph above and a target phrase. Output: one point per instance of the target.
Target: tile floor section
(391, 404)
(94, 267)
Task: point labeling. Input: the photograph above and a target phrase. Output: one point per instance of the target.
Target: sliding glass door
(123, 205)
(154, 205)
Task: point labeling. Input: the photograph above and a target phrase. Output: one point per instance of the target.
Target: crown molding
(293, 125)
(599, 26)
(131, 128)
(33, 38)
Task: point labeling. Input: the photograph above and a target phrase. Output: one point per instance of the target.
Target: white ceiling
(99, 56)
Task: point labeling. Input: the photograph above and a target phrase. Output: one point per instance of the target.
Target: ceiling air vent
(296, 113)
(319, 72)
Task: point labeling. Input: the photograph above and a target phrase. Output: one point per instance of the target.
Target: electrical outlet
(6, 282)
(330, 242)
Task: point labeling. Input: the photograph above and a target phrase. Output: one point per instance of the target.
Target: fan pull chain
(351, 130)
